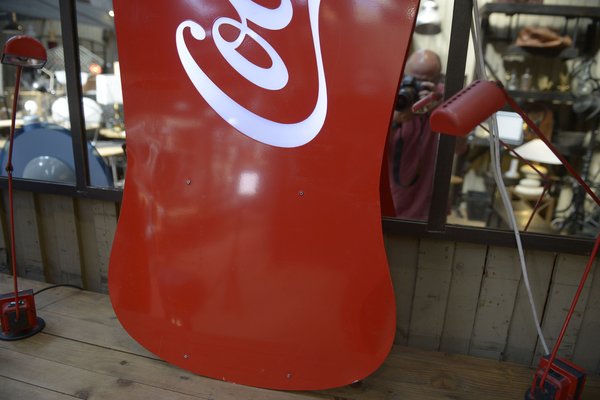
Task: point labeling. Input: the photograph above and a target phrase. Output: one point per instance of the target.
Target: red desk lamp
(555, 378)
(17, 310)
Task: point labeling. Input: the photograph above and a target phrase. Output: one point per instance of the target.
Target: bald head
(424, 65)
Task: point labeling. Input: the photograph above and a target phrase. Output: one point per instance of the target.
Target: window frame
(82, 188)
(434, 228)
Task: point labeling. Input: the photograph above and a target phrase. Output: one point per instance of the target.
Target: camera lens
(406, 97)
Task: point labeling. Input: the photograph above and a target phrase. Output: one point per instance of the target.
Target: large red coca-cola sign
(249, 245)
(274, 77)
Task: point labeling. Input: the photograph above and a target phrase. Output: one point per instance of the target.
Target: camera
(409, 92)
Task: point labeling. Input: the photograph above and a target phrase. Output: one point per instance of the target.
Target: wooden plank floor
(84, 353)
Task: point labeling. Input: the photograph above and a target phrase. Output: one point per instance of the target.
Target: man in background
(412, 146)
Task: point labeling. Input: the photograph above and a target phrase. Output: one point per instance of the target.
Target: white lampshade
(536, 150)
(92, 112)
(108, 89)
(61, 77)
(428, 19)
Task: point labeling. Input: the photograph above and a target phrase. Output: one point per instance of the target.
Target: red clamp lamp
(555, 378)
(17, 310)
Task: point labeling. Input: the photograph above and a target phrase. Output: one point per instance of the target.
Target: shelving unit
(540, 9)
(582, 23)
(554, 97)
(547, 94)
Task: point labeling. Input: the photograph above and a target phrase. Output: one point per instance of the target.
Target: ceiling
(90, 12)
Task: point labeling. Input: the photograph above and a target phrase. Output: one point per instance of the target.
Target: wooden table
(5, 123)
(112, 134)
(84, 353)
(112, 151)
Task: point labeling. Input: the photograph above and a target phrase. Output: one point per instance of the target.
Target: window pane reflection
(42, 146)
(102, 97)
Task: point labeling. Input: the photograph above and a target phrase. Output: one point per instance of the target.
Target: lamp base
(11, 336)
(564, 382)
(19, 321)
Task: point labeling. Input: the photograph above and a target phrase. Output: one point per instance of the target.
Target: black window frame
(435, 227)
(82, 188)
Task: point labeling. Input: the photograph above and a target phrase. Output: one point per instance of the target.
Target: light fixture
(458, 116)
(17, 309)
(428, 19)
(23, 51)
(461, 113)
(536, 183)
(535, 150)
(13, 27)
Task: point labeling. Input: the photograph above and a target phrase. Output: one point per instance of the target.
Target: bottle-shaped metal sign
(249, 245)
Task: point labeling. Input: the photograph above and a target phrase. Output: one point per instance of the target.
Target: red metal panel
(249, 246)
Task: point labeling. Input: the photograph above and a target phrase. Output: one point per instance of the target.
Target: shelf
(540, 9)
(564, 11)
(549, 96)
(564, 53)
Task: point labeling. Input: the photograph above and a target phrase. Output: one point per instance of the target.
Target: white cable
(497, 172)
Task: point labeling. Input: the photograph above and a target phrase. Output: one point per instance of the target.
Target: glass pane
(558, 90)
(102, 98)
(42, 150)
(412, 147)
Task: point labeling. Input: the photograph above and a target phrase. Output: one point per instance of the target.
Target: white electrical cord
(497, 171)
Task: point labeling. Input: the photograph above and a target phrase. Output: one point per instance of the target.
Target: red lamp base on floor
(564, 382)
(17, 309)
(22, 322)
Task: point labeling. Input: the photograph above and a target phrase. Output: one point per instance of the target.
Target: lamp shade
(536, 150)
(24, 51)
(461, 113)
(428, 19)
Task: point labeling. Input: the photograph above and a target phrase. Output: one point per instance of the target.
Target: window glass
(558, 89)
(411, 146)
(102, 96)
(42, 148)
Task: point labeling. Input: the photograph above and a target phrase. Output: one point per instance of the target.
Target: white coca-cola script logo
(274, 77)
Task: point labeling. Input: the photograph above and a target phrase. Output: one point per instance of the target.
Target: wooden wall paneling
(566, 277)
(59, 239)
(30, 263)
(402, 254)
(496, 303)
(89, 248)
(522, 334)
(587, 348)
(465, 285)
(434, 272)
(105, 221)
(97, 226)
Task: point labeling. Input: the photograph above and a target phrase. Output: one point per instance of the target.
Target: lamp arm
(9, 172)
(590, 262)
(13, 117)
